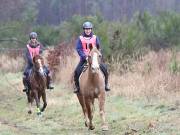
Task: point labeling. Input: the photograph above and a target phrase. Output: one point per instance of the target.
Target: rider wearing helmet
(33, 35)
(84, 39)
(33, 48)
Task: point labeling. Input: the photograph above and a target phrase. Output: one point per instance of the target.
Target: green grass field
(63, 115)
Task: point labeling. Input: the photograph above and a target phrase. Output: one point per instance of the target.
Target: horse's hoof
(42, 110)
(38, 113)
(91, 127)
(105, 128)
(86, 124)
(29, 112)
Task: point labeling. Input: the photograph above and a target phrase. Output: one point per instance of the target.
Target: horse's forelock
(94, 50)
(38, 59)
(94, 61)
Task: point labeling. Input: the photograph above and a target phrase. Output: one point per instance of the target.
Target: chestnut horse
(37, 82)
(92, 85)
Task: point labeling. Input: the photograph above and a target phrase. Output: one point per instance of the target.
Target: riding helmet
(33, 35)
(87, 25)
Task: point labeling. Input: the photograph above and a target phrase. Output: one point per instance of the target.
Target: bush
(121, 41)
(48, 35)
(13, 34)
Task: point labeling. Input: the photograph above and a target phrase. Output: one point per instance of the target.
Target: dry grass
(10, 64)
(150, 77)
(65, 73)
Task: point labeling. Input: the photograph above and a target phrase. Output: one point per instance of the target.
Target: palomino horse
(37, 81)
(92, 86)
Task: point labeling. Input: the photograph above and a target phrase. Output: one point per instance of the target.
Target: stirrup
(107, 88)
(50, 87)
(25, 89)
(76, 90)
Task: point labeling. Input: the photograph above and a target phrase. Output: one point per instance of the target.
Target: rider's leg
(49, 78)
(103, 68)
(25, 89)
(25, 79)
(49, 82)
(77, 73)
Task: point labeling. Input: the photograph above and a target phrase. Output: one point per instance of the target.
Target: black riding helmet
(33, 35)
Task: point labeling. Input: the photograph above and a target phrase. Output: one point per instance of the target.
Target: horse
(37, 83)
(92, 86)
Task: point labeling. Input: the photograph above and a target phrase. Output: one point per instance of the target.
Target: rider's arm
(79, 49)
(98, 43)
(28, 57)
(41, 49)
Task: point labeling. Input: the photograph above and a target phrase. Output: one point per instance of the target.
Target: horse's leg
(39, 97)
(92, 107)
(82, 103)
(37, 102)
(89, 105)
(101, 100)
(44, 101)
(29, 102)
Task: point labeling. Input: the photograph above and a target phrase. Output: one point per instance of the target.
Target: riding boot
(25, 82)
(107, 88)
(77, 73)
(76, 90)
(106, 75)
(49, 82)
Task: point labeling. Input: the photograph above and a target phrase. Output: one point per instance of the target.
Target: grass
(64, 115)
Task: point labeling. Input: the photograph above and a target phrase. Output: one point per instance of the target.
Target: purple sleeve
(41, 49)
(98, 42)
(28, 57)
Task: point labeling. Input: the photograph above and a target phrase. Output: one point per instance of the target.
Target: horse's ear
(90, 46)
(33, 59)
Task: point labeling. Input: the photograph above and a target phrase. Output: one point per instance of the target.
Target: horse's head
(94, 58)
(38, 64)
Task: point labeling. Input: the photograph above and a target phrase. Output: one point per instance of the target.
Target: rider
(86, 38)
(34, 48)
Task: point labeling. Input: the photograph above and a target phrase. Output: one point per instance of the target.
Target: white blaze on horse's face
(95, 64)
(40, 67)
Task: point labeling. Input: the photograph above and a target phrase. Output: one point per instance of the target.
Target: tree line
(56, 11)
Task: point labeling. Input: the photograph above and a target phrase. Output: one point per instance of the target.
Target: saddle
(81, 70)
